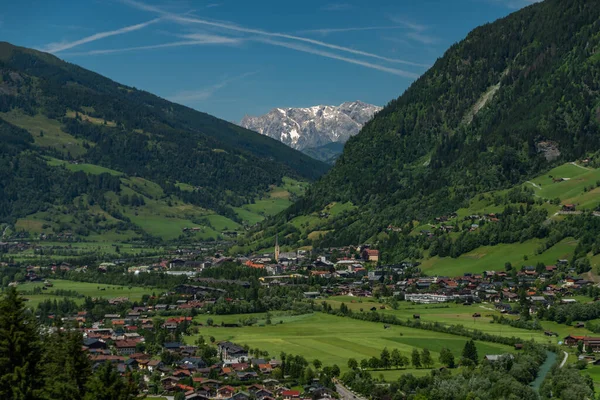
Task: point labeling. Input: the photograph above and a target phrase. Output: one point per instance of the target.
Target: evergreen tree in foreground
(106, 384)
(20, 350)
(66, 368)
(470, 352)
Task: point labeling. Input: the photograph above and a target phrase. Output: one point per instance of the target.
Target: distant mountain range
(309, 129)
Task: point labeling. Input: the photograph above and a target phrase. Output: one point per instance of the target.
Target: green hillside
(327, 153)
(85, 156)
(513, 100)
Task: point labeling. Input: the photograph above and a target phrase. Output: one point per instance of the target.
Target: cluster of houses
(235, 376)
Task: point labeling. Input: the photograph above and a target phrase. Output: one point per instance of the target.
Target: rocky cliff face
(303, 128)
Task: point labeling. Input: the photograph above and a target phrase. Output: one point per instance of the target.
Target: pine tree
(66, 369)
(470, 352)
(106, 384)
(20, 350)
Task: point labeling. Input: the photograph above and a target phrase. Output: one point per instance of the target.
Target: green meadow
(494, 257)
(46, 132)
(277, 199)
(94, 290)
(333, 340)
(458, 314)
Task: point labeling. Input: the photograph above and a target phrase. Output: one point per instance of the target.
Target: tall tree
(66, 369)
(20, 350)
(416, 358)
(352, 363)
(385, 358)
(426, 358)
(107, 384)
(395, 358)
(470, 352)
(447, 358)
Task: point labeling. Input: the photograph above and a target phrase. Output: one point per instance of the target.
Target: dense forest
(127, 130)
(512, 99)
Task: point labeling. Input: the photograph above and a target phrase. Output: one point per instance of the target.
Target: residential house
(231, 353)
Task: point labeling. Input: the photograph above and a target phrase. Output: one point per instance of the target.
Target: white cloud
(58, 47)
(198, 39)
(206, 93)
(412, 25)
(327, 31)
(421, 38)
(237, 28)
(326, 54)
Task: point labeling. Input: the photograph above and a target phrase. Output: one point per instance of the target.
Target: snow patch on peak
(314, 126)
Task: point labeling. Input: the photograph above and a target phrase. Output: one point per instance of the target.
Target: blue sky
(231, 57)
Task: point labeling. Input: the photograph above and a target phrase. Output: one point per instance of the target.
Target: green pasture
(458, 314)
(95, 290)
(494, 257)
(87, 168)
(52, 137)
(334, 340)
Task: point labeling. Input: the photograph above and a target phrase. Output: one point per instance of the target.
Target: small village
(148, 338)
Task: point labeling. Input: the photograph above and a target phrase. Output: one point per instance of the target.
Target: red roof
(290, 393)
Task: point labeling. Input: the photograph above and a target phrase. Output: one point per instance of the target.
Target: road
(577, 165)
(534, 185)
(564, 359)
(345, 393)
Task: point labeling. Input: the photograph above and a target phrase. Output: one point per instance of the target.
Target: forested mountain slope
(53, 113)
(512, 99)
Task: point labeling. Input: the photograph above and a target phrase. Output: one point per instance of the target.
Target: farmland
(333, 340)
(94, 290)
(458, 314)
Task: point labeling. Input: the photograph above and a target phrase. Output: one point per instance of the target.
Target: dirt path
(581, 166)
(535, 185)
(562, 364)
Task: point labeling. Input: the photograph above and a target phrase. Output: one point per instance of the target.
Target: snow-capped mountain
(305, 128)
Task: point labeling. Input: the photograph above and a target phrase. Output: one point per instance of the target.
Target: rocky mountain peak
(311, 127)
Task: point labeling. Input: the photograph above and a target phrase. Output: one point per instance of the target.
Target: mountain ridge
(312, 127)
(423, 156)
(69, 116)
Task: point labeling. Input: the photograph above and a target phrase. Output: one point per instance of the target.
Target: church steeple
(277, 247)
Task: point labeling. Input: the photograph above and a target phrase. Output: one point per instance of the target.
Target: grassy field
(95, 290)
(334, 340)
(577, 178)
(52, 137)
(87, 168)
(276, 200)
(494, 257)
(458, 314)
(93, 120)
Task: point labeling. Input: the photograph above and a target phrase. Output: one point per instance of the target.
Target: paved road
(345, 393)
